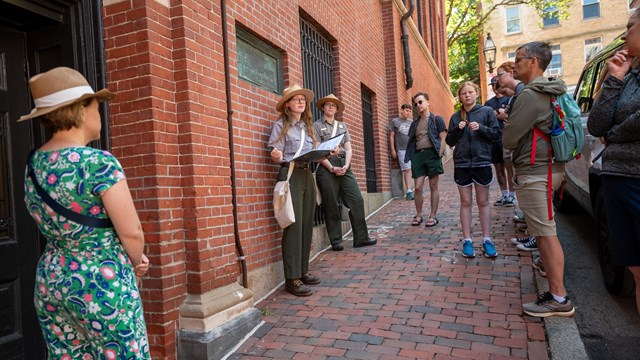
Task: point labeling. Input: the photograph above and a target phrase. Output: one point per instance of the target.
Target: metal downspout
(405, 46)
(234, 195)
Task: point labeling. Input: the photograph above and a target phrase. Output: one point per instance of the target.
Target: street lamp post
(489, 52)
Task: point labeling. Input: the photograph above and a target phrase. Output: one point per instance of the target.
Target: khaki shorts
(531, 191)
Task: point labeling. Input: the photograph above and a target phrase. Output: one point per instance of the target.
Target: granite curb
(563, 336)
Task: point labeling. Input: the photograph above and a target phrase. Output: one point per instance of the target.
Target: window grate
(369, 148)
(317, 68)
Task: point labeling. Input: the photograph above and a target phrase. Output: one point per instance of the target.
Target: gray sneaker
(546, 306)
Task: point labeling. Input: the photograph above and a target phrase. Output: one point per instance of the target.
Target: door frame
(81, 22)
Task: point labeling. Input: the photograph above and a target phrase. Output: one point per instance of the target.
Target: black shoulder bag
(75, 217)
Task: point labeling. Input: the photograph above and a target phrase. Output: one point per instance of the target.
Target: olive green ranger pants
(296, 238)
(346, 188)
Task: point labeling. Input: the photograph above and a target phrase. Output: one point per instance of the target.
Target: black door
(35, 36)
(19, 243)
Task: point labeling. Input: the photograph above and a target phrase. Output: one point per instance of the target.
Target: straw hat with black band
(331, 98)
(58, 88)
(292, 91)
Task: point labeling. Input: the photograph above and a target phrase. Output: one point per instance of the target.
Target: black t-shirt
(498, 103)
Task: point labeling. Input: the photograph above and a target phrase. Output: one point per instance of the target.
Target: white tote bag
(344, 210)
(282, 204)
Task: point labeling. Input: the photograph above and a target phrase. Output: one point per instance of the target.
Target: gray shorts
(403, 165)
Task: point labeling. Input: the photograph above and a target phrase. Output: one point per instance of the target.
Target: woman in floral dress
(86, 296)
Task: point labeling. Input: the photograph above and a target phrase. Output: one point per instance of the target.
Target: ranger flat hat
(292, 91)
(60, 87)
(333, 99)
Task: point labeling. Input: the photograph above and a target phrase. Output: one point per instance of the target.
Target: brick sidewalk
(412, 296)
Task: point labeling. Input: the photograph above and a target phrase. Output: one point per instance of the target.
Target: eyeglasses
(300, 100)
(331, 105)
(419, 102)
(518, 59)
(500, 74)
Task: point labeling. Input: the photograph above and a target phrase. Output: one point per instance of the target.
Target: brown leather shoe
(309, 279)
(297, 287)
(367, 242)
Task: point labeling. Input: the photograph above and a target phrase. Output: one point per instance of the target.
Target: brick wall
(169, 127)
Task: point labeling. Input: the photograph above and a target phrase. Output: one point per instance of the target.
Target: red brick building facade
(195, 154)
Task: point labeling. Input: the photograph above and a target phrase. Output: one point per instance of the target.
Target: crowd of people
(87, 297)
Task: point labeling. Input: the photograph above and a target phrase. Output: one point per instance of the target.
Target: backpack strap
(61, 210)
(558, 111)
(550, 189)
(534, 143)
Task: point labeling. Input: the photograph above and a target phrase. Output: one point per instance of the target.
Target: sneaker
(537, 264)
(500, 201)
(522, 240)
(409, 195)
(467, 249)
(510, 201)
(519, 218)
(546, 306)
(489, 249)
(532, 245)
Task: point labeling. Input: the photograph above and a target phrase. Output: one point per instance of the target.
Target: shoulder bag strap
(335, 128)
(75, 217)
(292, 164)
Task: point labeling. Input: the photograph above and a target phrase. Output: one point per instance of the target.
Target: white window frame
(557, 71)
(518, 19)
(511, 56)
(592, 46)
(591, 2)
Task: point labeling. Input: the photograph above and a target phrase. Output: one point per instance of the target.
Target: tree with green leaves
(465, 21)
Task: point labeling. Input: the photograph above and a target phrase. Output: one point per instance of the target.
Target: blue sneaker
(489, 249)
(467, 249)
(410, 195)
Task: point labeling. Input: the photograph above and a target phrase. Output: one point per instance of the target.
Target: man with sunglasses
(536, 174)
(425, 151)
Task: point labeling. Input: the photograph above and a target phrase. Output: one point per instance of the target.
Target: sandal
(433, 221)
(416, 222)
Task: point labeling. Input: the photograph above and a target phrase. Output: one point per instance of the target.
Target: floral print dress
(86, 296)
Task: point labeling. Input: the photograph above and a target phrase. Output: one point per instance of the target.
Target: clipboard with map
(321, 151)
